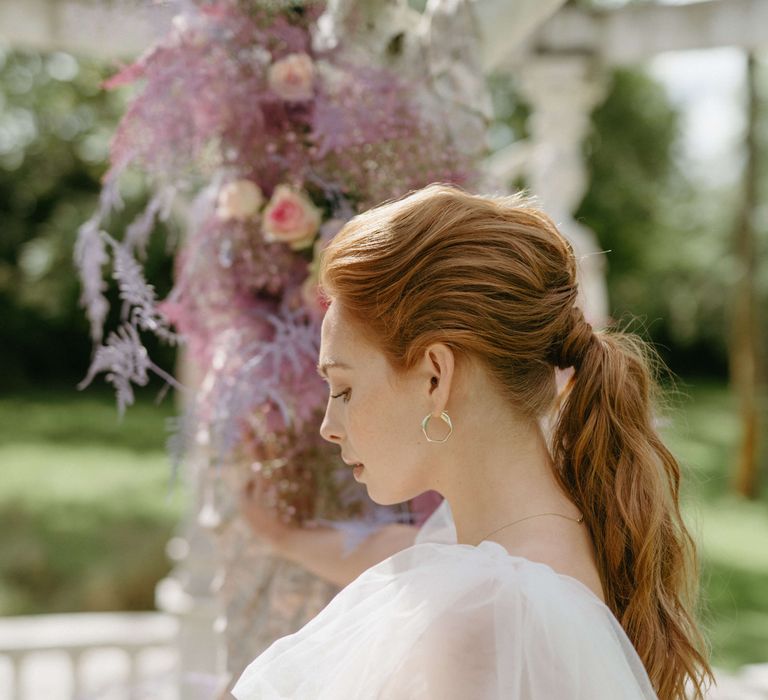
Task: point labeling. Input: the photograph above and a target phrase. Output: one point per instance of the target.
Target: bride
(563, 568)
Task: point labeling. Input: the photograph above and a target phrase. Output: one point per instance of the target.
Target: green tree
(668, 259)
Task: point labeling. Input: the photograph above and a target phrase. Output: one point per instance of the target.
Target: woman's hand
(319, 548)
(263, 520)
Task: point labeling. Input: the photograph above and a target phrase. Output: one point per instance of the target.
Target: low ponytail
(612, 462)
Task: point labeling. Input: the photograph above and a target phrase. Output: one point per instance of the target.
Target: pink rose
(292, 77)
(290, 217)
(240, 199)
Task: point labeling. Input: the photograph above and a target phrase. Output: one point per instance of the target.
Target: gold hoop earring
(444, 415)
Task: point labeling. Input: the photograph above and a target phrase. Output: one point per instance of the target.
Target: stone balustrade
(79, 656)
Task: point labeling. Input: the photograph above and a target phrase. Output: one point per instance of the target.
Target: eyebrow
(322, 369)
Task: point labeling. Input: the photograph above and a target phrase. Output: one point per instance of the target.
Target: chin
(390, 498)
(383, 501)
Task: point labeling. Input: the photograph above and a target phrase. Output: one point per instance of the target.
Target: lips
(351, 463)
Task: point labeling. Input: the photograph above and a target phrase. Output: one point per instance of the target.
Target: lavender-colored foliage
(139, 299)
(275, 373)
(159, 208)
(125, 361)
(90, 258)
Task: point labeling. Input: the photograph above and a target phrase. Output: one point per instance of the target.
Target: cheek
(384, 420)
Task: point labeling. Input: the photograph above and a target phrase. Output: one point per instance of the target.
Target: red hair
(492, 278)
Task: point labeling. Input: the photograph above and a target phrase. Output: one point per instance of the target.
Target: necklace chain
(528, 517)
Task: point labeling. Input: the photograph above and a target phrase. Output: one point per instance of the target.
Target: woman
(572, 574)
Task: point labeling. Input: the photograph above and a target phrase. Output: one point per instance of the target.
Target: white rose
(292, 77)
(240, 199)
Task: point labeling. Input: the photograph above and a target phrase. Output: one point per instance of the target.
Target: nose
(329, 430)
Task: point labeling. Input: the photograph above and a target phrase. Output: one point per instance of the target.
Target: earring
(444, 415)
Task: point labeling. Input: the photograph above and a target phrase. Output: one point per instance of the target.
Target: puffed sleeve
(527, 634)
(454, 622)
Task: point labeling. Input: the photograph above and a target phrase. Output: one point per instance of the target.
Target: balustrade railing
(78, 636)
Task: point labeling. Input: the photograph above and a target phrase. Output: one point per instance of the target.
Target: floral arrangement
(276, 144)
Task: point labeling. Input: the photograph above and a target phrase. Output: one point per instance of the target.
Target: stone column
(187, 591)
(562, 91)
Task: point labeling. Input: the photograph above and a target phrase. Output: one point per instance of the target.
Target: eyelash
(346, 391)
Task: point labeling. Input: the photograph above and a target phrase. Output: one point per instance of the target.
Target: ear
(439, 365)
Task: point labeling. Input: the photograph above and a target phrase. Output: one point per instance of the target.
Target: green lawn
(85, 502)
(85, 518)
(732, 531)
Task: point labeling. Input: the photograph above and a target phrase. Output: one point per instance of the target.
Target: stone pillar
(562, 91)
(187, 591)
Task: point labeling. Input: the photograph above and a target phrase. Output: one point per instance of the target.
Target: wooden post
(745, 358)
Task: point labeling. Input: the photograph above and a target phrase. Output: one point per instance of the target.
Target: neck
(509, 478)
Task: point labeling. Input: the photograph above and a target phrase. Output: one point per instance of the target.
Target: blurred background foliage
(55, 127)
(671, 260)
(85, 496)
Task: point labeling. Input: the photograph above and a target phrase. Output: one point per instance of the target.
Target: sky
(708, 87)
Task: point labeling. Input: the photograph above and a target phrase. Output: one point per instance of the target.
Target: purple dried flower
(90, 258)
(139, 300)
(126, 362)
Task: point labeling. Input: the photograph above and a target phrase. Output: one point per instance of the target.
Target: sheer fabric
(447, 621)
(439, 527)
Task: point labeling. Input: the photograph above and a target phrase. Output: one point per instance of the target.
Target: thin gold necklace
(528, 517)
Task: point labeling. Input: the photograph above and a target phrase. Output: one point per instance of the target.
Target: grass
(84, 511)
(731, 531)
(84, 502)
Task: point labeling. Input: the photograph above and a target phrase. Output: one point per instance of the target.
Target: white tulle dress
(447, 621)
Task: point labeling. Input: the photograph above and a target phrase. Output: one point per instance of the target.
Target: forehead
(334, 331)
(342, 341)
